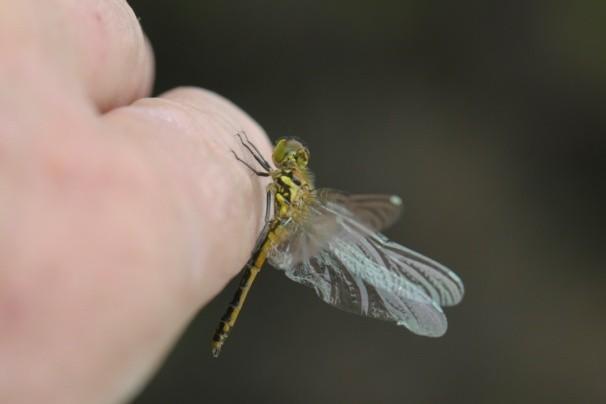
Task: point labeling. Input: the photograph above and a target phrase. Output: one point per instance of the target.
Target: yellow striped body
(292, 191)
(253, 267)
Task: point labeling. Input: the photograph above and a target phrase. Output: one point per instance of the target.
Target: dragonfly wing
(375, 211)
(436, 280)
(344, 276)
(357, 270)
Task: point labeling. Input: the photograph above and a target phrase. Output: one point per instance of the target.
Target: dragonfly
(330, 241)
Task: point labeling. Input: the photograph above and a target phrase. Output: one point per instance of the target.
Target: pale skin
(120, 216)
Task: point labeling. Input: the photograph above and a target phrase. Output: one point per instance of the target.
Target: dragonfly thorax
(292, 190)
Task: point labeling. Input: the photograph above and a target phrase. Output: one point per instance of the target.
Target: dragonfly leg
(267, 207)
(250, 146)
(266, 223)
(251, 168)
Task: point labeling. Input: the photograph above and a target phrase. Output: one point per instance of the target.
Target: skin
(120, 216)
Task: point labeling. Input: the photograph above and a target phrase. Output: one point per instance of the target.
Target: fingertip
(190, 133)
(226, 115)
(148, 70)
(112, 54)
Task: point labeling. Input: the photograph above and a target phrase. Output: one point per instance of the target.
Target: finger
(190, 134)
(94, 48)
(187, 134)
(114, 241)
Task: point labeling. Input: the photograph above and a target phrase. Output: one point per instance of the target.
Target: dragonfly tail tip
(216, 352)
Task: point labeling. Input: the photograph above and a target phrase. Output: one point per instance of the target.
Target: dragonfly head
(290, 153)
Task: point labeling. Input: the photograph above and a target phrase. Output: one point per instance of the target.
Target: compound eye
(280, 151)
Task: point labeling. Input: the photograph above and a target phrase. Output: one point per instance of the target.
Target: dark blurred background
(488, 118)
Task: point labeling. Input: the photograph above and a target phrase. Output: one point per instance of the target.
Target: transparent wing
(375, 211)
(355, 269)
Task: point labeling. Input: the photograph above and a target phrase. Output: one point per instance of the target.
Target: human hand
(120, 216)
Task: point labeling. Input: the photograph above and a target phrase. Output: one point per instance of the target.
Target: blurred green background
(488, 118)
